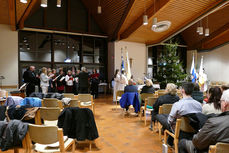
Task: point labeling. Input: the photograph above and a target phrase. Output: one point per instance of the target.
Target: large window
(60, 50)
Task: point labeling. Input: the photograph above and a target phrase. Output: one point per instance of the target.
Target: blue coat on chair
(130, 98)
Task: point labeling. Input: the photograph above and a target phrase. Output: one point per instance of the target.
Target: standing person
(60, 80)
(94, 83)
(53, 79)
(30, 78)
(83, 81)
(76, 83)
(123, 80)
(116, 84)
(44, 80)
(69, 82)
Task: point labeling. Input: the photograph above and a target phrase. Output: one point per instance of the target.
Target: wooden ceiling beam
(27, 13)
(138, 22)
(116, 32)
(12, 14)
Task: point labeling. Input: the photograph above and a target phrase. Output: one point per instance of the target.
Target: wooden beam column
(12, 14)
(26, 14)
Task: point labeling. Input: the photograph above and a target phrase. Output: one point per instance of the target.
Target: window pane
(88, 59)
(88, 46)
(35, 56)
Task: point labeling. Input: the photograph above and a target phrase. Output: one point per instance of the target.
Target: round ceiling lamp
(201, 30)
(206, 32)
(161, 26)
(154, 23)
(44, 3)
(99, 8)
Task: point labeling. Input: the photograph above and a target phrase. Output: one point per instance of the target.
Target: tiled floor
(120, 133)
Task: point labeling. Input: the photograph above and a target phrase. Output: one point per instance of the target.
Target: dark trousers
(162, 118)
(83, 90)
(94, 90)
(30, 89)
(69, 89)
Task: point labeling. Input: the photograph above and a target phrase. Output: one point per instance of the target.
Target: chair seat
(85, 103)
(53, 147)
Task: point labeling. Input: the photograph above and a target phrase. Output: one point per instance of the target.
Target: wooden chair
(181, 124)
(144, 97)
(219, 148)
(119, 94)
(48, 139)
(174, 135)
(161, 92)
(49, 115)
(51, 102)
(86, 101)
(68, 95)
(164, 109)
(148, 102)
(73, 103)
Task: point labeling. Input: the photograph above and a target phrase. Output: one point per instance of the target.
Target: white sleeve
(44, 77)
(66, 78)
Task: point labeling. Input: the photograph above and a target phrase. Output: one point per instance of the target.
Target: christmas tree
(170, 68)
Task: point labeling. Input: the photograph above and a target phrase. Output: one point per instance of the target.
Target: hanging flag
(122, 61)
(202, 76)
(193, 70)
(128, 72)
(201, 72)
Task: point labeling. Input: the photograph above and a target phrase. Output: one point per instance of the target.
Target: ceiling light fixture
(23, 1)
(201, 29)
(99, 9)
(44, 3)
(145, 17)
(154, 19)
(58, 3)
(207, 29)
(198, 28)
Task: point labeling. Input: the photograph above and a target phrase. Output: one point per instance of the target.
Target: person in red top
(94, 83)
(69, 82)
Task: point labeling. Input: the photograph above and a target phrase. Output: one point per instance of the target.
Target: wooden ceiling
(179, 12)
(122, 19)
(218, 24)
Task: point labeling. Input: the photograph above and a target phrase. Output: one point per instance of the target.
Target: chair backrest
(73, 103)
(43, 134)
(161, 92)
(49, 114)
(50, 102)
(151, 101)
(146, 95)
(165, 108)
(67, 95)
(222, 147)
(119, 93)
(185, 125)
(85, 97)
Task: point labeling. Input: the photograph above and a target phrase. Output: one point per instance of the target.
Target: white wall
(136, 51)
(216, 63)
(8, 55)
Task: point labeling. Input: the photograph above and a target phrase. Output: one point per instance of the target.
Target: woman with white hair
(148, 88)
(169, 98)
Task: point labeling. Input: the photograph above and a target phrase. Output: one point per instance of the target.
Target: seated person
(169, 98)
(148, 88)
(216, 129)
(197, 94)
(130, 87)
(186, 105)
(224, 87)
(213, 105)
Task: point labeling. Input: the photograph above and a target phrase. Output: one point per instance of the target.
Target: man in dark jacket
(216, 129)
(130, 87)
(30, 78)
(83, 81)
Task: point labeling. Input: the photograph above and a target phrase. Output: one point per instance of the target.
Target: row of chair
(48, 137)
